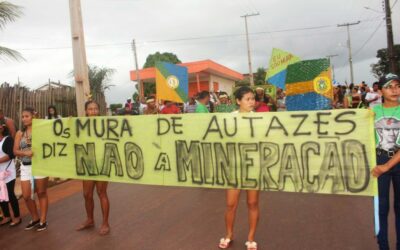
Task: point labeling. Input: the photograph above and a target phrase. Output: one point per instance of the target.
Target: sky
(193, 30)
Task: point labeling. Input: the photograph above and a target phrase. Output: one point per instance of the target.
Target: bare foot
(104, 229)
(86, 225)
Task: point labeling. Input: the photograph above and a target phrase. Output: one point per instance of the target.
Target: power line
(186, 39)
(195, 38)
(369, 38)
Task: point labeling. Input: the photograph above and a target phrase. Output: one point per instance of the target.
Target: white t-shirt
(9, 165)
(142, 108)
(371, 96)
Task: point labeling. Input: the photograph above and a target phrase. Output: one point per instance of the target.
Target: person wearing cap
(151, 108)
(387, 126)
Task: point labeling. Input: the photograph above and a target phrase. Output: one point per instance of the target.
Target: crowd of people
(351, 96)
(382, 99)
(202, 102)
(356, 96)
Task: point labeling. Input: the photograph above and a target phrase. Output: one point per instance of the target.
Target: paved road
(148, 217)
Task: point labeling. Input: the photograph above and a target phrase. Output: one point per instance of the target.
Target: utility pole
(389, 30)
(82, 87)
(349, 47)
(333, 67)
(248, 46)
(136, 67)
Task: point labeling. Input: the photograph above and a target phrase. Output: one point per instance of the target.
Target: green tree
(150, 87)
(244, 82)
(135, 96)
(259, 76)
(115, 106)
(381, 68)
(157, 57)
(9, 13)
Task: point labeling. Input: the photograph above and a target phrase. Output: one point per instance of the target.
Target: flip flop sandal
(251, 245)
(12, 224)
(225, 243)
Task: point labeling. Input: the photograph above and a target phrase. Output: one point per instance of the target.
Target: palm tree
(9, 13)
(99, 78)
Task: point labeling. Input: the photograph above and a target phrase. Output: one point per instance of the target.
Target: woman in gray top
(29, 183)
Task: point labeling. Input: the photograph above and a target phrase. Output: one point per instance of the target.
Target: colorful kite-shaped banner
(277, 70)
(309, 85)
(172, 82)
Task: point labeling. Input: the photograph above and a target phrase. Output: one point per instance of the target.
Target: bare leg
(101, 187)
(30, 204)
(232, 199)
(41, 188)
(252, 205)
(88, 188)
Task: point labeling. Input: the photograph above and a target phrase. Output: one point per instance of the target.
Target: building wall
(224, 85)
(193, 87)
(211, 83)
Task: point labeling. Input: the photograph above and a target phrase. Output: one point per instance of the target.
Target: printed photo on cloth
(387, 129)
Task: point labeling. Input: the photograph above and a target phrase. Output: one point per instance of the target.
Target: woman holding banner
(245, 100)
(387, 127)
(92, 109)
(29, 183)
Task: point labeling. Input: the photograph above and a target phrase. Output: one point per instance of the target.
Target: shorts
(26, 173)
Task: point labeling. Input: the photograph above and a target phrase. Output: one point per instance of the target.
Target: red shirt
(263, 107)
(173, 109)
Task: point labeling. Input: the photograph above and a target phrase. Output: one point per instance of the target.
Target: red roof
(207, 66)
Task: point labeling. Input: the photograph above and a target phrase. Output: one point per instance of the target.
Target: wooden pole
(138, 81)
(248, 46)
(82, 87)
(389, 32)
(349, 47)
(198, 82)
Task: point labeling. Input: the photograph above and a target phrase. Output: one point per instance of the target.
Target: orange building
(203, 75)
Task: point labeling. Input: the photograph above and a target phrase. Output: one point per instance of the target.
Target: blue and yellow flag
(277, 70)
(172, 82)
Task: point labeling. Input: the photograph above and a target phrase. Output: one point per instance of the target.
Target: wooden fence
(13, 99)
